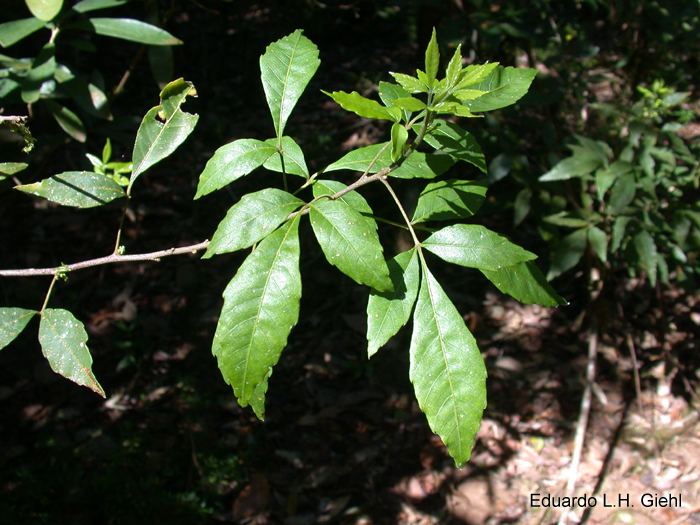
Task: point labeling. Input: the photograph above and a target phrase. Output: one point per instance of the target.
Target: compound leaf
(62, 338)
(368, 158)
(286, 68)
(474, 246)
(231, 162)
(350, 243)
(80, 189)
(446, 369)
(261, 305)
(526, 283)
(449, 199)
(419, 165)
(164, 127)
(388, 312)
(351, 198)
(12, 322)
(251, 219)
(133, 31)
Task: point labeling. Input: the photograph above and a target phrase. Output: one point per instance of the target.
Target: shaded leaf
(618, 232)
(13, 32)
(572, 167)
(598, 241)
(62, 338)
(446, 369)
(456, 142)
(163, 128)
(647, 254)
(10, 168)
(389, 92)
(448, 200)
(231, 162)
(80, 189)
(261, 305)
(133, 31)
(286, 68)
(399, 136)
(605, 177)
(349, 242)
(388, 312)
(252, 219)
(364, 107)
(504, 86)
(12, 322)
(160, 61)
(567, 253)
(474, 246)
(419, 165)
(294, 162)
(521, 206)
(622, 193)
(526, 283)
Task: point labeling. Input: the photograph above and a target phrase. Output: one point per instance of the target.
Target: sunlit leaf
(63, 339)
(364, 107)
(388, 312)
(432, 59)
(133, 31)
(504, 86)
(85, 6)
(44, 9)
(13, 32)
(80, 189)
(446, 369)
(294, 162)
(456, 142)
(12, 322)
(286, 68)
(261, 305)
(526, 283)
(448, 200)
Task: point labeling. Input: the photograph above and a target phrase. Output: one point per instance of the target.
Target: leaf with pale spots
(446, 369)
(12, 322)
(63, 339)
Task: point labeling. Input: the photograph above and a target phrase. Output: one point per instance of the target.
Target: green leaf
(388, 312)
(598, 241)
(350, 243)
(231, 162)
(475, 74)
(474, 246)
(622, 193)
(373, 158)
(294, 162)
(449, 199)
(12, 322)
(618, 232)
(285, 69)
(432, 59)
(62, 338)
(526, 283)
(606, 177)
(456, 142)
(647, 253)
(261, 305)
(86, 6)
(45, 10)
(409, 83)
(389, 92)
(454, 68)
(419, 165)
(565, 220)
(133, 31)
(80, 189)
(10, 168)
(43, 69)
(521, 206)
(107, 151)
(163, 128)
(69, 121)
(409, 104)
(13, 32)
(351, 198)
(567, 253)
(572, 167)
(399, 136)
(505, 86)
(364, 107)
(446, 369)
(252, 219)
(160, 61)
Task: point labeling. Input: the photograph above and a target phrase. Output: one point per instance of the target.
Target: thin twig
(115, 258)
(403, 212)
(584, 414)
(635, 373)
